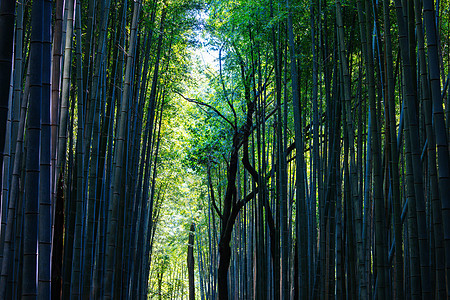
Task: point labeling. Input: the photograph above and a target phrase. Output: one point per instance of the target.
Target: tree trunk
(191, 262)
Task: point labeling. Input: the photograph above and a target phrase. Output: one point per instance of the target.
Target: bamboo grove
(319, 134)
(81, 133)
(334, 183)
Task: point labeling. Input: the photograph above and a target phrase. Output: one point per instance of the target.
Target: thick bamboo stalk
(45, 224)
(301, 231)
(7, 11)
(439, 123)
(31, 201)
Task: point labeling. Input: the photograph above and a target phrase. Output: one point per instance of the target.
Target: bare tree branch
(207, 105)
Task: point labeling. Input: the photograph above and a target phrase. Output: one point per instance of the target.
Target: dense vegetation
(256, 149)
